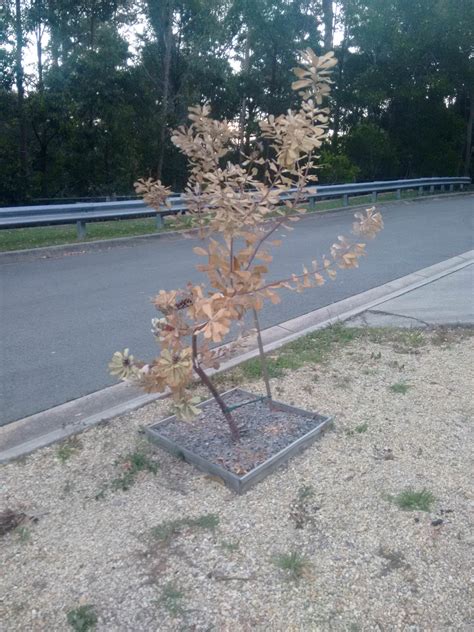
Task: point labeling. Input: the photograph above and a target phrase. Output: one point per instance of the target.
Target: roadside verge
(26, 435)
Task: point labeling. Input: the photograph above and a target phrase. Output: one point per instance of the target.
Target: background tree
(83, 82)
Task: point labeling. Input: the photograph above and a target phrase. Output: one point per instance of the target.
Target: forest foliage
(89, 89)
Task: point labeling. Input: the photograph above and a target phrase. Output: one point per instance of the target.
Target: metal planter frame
(241, 484)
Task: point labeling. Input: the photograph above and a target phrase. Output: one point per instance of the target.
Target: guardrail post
(159, 221)
(441, 188)
(345, 199)
(451, 187)
(374, 196)
(311, 200)
(461, 187)
(432, 188)
(81, 229)
(420, 190)
(399, 194)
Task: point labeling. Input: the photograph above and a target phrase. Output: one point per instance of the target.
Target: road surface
(62, 318)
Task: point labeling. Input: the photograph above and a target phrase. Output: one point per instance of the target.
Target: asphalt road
(62, 318)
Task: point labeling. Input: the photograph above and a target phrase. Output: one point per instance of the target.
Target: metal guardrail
(82, 213)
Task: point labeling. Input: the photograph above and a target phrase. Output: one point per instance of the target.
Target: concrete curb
(49, 252)
(42, 429)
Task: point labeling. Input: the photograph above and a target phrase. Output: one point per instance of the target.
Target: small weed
(292, 563)
(400, 387)
(305, 492)
(100, 494)
(230, 546)
(83, 618)
(168, 529)
(411, 338)
(206, 521)
(66, 450)
(10, 520)
(343, 381)
(360, 429)
(24, 534)
(171, 600)
(394, 364)
(133, 464)
(410, 500)
(301, 510)
(307, 388)
(68, 488)
(395, 561)
(442, 337)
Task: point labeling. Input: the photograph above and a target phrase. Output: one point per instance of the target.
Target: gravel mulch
(322, 544)
(265, 431)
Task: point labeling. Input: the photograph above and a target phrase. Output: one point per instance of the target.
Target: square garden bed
(271, 432)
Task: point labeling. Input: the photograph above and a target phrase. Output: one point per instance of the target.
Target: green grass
(133, 464)
(411, 500)
(22, 238)
(171, 599)
(317, 347)
(404, 340)
(165, 531)
(305, 493)
(66, 449)
(25, 238)
(24, 534)
(400, 387)
(314, 348)
(292, 563)
(360, 429)
(231, 547)
(83, 618)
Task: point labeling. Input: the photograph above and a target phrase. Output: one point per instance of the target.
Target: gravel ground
(362, 562)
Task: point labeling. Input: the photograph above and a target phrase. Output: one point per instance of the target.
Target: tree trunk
(22, 144)
(92, 31)
(54, 37)
(243, 103)
(468, 147)
(205, 379)
(39, 30)
(339, 86)
(167, 45)
(328, 19)
(39, 55)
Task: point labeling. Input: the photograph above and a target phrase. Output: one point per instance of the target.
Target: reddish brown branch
(205, 379)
